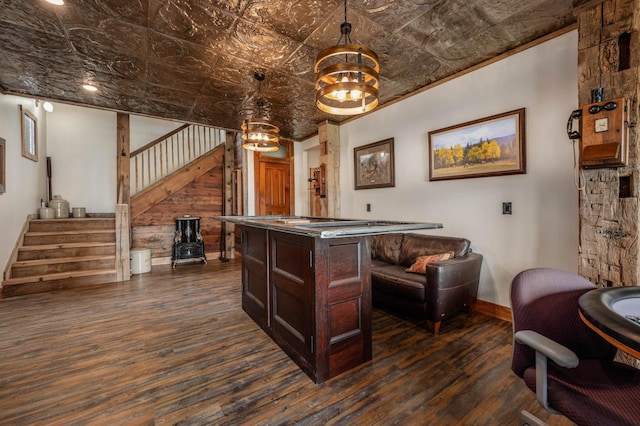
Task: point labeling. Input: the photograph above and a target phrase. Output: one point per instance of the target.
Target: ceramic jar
(46, 213)
(60, 207)
(79, 212)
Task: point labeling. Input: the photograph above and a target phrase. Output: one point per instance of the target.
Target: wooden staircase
(63, 253)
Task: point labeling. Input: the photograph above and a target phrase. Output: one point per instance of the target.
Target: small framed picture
(2, 165)
(374, 165)
(601, 125)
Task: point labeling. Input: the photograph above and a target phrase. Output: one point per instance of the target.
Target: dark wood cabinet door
(255, 283)
(292, 302)
(347, 289)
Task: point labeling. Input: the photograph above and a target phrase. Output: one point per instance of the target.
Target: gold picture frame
(490, 146)
(29, 132)
(3, 165)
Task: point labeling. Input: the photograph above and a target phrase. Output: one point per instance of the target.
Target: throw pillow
(420, 264)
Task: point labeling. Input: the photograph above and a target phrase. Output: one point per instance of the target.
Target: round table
(605, 311)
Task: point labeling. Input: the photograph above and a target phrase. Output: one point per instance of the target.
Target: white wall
(306, 155)
(146, 129)
(90, 135)
(82, 146)
(25, 179)
(543, 229)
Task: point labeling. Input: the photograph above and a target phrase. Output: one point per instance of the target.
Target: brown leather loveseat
(445, 288)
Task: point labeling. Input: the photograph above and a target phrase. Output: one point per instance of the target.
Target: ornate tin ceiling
(194, 60)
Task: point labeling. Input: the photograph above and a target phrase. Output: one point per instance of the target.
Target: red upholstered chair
(569, 366)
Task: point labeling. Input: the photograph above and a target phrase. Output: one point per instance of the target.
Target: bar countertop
(326, 227)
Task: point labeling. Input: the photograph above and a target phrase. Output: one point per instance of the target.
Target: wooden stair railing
(161, 189)
(170, 152)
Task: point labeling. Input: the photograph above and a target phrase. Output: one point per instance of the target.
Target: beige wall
(25, 178)
(543, 229)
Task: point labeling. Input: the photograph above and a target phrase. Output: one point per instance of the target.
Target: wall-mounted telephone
(604, 133)
(318, 181)
(571, 132)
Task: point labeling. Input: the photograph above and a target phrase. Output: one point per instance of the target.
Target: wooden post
(123, 191)
(123, 226)
(227, 251)
(123, 150)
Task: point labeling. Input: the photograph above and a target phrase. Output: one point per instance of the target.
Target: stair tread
(50, 261)
(75, 219)
(58, 276)
(64, 245)
(87, 231)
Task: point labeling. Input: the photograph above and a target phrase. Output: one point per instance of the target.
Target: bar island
(306, 282)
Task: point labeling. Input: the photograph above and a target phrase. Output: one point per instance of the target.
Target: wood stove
(188, 244)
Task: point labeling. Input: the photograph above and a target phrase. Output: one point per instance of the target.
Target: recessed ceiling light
(89, 88)
(48, 106)
(56, 2)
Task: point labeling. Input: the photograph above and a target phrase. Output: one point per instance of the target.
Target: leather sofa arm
(452, 285)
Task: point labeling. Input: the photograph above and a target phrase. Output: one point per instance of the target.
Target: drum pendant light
(347, 79)
(258, 133)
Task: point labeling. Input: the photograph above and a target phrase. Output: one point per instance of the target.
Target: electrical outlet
(506, 208)
(368, 207)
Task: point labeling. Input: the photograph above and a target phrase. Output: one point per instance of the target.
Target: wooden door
(274, 189)
(274, 181)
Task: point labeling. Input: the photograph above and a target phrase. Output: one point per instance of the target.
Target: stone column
(329, 137)
(608, 57)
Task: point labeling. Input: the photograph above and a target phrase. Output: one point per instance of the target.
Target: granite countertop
(326, 227)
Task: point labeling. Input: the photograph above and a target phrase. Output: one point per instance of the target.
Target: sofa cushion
(416, 245)
(375, 263)
(392, 279)
(420, 265)
(386, 247)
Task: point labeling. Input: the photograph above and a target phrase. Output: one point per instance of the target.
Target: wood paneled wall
(202, 197)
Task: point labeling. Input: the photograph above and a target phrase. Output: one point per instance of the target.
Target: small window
(29, 128)
(280, 153)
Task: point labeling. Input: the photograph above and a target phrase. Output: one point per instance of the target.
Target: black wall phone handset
(574, 135)
(575, 115)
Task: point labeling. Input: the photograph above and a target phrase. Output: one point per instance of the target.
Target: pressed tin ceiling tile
(194, 60)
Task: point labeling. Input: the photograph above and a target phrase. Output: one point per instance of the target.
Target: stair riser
(58, 225)
(28, 271)
(44, 286)
(65, 252)
(34, 240)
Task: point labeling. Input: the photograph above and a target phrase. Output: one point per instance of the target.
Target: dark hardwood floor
(174, 347)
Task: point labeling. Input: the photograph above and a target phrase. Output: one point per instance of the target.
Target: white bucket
(140, 260)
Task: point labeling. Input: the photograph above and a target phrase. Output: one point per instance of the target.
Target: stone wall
(608, 57)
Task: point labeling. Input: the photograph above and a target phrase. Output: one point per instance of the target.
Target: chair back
(545, 300)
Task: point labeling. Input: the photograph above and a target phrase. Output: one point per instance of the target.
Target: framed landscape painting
(374, 165)
(490, 146)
